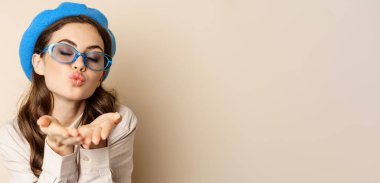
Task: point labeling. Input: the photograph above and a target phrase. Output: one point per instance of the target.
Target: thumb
(116, 118)
(44, 121)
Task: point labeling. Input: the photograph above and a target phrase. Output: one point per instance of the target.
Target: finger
(44, 121)
(84, 130)
(96, 135)
(106, 130)
(73, 132)
(87, 141)
(51, 126)
(57, 129)
(116, 118)
(86, 146)
(71, 141)
(58, 140)
(107, 117)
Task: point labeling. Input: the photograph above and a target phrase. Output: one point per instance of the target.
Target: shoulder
(127, 113)
(127, 125)
(129, 119)
(11, 139)
(9, 131)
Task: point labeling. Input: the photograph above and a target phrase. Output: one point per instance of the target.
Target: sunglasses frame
(50, 48)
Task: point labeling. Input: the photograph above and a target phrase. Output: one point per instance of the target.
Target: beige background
(239, 91)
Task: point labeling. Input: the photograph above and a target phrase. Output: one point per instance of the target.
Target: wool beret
(48, 17)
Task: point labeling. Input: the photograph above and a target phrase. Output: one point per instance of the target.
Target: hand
(59, 138)
(96, 133)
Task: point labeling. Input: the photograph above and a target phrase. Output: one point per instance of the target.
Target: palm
(98, 131)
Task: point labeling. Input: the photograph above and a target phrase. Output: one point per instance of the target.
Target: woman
(68, 128)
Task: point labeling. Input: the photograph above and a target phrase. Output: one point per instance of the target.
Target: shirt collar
(76, 122)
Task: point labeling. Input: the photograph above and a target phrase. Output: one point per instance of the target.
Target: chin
(79, 96)
(72, 95)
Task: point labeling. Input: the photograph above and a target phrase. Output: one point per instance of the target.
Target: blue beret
(48, 17)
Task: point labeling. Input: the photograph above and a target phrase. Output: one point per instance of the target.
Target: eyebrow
(88, 47)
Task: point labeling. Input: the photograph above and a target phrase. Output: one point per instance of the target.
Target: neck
(66, 111)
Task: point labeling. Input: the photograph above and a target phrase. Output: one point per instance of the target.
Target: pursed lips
(77, 79)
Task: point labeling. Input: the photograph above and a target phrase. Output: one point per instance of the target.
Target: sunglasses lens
(63, 53)
(96, 61)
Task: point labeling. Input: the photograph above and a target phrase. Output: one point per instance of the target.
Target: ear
(101, 78)
(38, 64)
(104, 74)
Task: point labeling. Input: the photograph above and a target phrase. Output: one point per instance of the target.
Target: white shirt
(113, 163)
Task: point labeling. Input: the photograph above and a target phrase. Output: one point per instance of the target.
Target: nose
(79, 64)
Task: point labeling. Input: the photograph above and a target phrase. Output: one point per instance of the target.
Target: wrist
(102, 143)
(60, 149)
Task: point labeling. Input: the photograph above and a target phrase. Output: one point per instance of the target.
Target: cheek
(93, 79)
(55, 71)
(92, 82)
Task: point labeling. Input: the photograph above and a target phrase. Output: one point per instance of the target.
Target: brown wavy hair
(39, 100)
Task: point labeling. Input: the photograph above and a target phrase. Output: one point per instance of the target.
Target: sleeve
(57, 168)
(14, 153)
(113, 163)
(94, 165)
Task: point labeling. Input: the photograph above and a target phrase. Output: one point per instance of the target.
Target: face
(72, 81)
